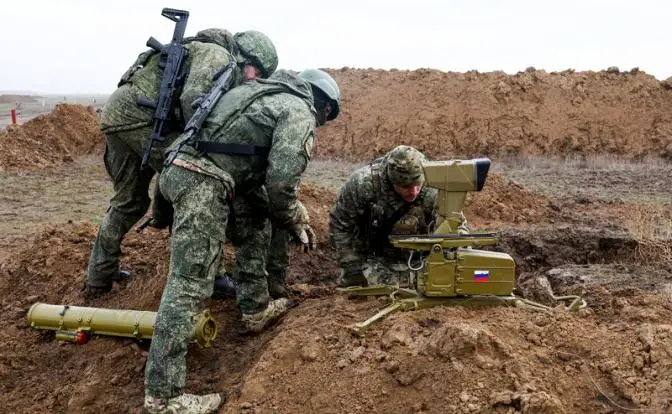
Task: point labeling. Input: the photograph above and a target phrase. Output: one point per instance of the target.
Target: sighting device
(451, 270)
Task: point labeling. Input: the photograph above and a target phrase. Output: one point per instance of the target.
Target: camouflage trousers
(201, 212)
(122, 158)
(246, 214)
(381, 271)
(278, 252)
(249, 230)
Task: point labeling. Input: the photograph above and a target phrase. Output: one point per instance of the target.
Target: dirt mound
(12, 99)
(464, 361)
(51, 269)
(435, 360)
(502, 200)
(51, 139)
(448, 115)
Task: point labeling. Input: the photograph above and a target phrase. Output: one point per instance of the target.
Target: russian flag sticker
(481, 275)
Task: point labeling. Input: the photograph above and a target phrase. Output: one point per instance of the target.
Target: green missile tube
(66, 319)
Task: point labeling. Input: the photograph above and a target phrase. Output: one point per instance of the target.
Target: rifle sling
(229, 148)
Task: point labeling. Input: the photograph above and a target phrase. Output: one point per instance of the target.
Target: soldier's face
(323, 109)
(408, 192)
(251, 72)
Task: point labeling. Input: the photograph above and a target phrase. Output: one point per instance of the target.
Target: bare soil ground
(596, 223)
(449, 115)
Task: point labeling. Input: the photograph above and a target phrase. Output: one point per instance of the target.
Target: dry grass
(329, 173)
(651, 226)
(603, 162)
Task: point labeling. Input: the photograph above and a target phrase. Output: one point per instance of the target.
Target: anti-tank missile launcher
(451, 270)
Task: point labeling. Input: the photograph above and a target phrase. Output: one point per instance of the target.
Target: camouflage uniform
(277, 259)
(368, 210)
(127, 125)
(277, 116)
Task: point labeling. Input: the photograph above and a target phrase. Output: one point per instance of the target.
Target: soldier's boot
(224, 287)
(185, 404)
(277, 287)
(256, 322)
(92, 292)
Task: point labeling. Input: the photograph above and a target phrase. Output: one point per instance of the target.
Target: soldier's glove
(303, 235)
(300, 231)
(463, 228)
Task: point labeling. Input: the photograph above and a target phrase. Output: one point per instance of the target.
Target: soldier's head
(326, 94)
(256, 52)
(404, 170)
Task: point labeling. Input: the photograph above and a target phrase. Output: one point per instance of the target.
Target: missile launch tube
(112, 322)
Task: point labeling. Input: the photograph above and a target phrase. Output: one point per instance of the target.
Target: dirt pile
(449, 115)
(437, 360)
(502, 200)
(13, 99)
(453, 360)
(50, 139)
(51, 269)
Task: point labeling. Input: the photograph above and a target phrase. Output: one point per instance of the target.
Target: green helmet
(324, 82)
(404, 166)
(257, 48)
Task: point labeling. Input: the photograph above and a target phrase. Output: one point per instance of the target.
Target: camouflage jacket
(368, 210)
(143, 79)
(276, 114)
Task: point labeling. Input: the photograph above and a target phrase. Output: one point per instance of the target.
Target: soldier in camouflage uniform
(277, 260)
(383, 198)
(253, 148)
(126, 126)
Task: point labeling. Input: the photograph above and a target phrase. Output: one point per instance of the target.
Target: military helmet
(324, 82)
(404, 166)
(259, 50)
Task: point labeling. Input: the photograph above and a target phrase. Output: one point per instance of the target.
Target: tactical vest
(227, 111)
(406, 220)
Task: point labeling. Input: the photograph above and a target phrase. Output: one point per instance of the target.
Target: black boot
(92, 292)
(224, 288)
(124, 276)
(276, 285)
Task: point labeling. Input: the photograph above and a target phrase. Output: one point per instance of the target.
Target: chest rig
(385, 220)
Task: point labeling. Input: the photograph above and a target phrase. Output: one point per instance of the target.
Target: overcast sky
(77, 46)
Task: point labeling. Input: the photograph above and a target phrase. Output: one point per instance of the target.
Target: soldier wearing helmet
(256, 50)
(383, 198)
(251, 153)
(326, 100)
(126, 126)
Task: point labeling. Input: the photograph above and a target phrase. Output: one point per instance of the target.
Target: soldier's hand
(301, 232)
(303, 235)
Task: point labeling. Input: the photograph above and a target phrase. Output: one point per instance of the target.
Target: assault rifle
(172, 59)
